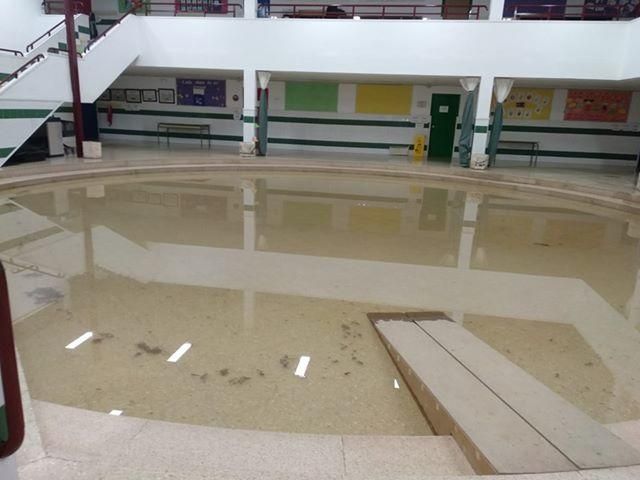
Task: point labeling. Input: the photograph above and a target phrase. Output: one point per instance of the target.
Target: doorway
(444, 113)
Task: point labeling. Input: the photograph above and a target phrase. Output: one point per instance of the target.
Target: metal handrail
(175, 8)
(48, 33)
(9, 372)
(374, 11)
(137, 4)
(16, 53)
(24, 67)
(585, 11)
(46, 5)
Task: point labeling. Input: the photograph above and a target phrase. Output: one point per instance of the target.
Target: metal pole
(69, 12)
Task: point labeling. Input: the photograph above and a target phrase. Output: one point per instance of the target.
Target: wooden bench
(202, 129)
(504, 420)
(534, 149)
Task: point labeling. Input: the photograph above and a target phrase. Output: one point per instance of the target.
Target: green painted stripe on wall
(332, 143)
(565, 130)
(273, 118)
(83, 29)
(5, 152)
(11, 113)
(162, 113)
(570, 130)
(248, 119)
(281, 141)
(341, 121)
(480, 129)
(3, 75)
(365, 123)
(563, 154)
(148, 133)
(4, 427)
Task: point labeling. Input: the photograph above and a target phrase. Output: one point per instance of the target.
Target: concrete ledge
(30, 175)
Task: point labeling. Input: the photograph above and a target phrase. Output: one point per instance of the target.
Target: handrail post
(9, 373)
(75, 77)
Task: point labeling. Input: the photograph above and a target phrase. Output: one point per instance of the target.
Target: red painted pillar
(69, 11)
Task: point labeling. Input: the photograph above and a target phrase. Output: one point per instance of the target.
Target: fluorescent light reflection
(79, 341)
(301, 369)
(184, 348)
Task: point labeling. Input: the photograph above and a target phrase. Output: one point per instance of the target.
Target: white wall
(520, 49)
(340, 131)
(22, 21)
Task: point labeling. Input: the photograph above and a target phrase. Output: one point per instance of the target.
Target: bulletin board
(311, 96)
(528, 104)
(597, 105)
(384, 99)
(202, 93)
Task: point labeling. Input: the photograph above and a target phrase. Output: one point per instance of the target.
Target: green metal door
(444, 112)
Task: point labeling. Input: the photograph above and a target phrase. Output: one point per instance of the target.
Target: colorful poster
(311, 96)
(384, 99)
(528, 104)
(597, 105)
(202, 93)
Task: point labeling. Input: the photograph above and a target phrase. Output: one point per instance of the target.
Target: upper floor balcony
(592, 10)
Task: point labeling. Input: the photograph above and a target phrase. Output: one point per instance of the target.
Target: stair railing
(16, 74)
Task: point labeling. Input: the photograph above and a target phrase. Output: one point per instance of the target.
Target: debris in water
(147, 349)
(224, 372)
(284, 361)
(239, 380)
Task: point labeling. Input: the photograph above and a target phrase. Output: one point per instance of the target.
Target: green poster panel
(311, 96)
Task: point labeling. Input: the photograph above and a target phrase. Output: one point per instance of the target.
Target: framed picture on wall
(106, 96)
(149, 95)
(133, 96)
(166, 95)
(117, 95)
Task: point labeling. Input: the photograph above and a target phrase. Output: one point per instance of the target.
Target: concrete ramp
(504, 420)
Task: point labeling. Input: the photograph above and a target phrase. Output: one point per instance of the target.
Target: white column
(496, 8)
(249, 105)
(248, 309)
(249, 201)
(340, 214)
(481, 128)
(250, 8)
(61, 201)
(538, 229)
(468, 234)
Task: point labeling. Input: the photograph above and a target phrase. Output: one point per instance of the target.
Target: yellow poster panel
(384, 99)
(528, 104)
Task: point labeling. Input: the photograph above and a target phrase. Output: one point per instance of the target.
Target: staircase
(41, 82)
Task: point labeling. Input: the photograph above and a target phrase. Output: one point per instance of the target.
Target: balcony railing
(385, 11)
(372, 11)
(192, 8)
(588, 11)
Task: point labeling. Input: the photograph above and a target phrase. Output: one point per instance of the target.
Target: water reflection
(257, 272)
